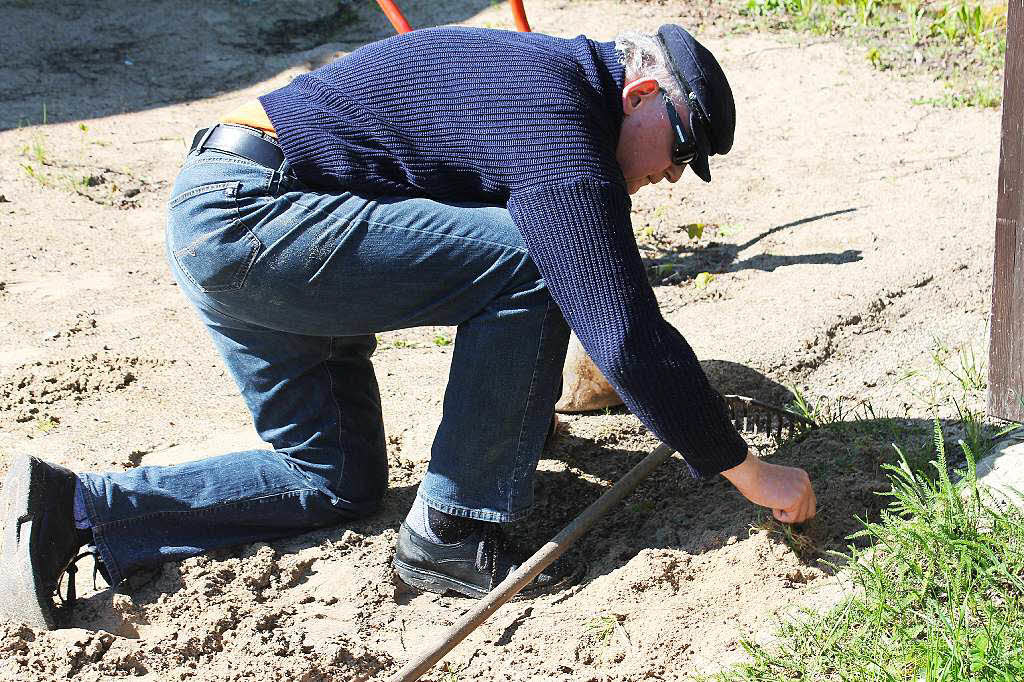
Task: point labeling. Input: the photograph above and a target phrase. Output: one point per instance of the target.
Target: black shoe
(39, 540)
(474, 566)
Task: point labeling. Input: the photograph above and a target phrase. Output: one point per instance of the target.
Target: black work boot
(39, 539)
(473, 566)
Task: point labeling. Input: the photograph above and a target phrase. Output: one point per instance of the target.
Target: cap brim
(700, 167)
(700, 162)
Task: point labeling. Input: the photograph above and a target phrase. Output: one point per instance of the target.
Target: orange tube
(396, 18)
(520, 14)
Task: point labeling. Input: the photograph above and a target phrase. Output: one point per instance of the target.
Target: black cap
(709, 97)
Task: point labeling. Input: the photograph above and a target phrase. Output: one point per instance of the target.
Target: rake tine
(753, 416)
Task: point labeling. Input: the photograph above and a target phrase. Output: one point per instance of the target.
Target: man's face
(645, 143)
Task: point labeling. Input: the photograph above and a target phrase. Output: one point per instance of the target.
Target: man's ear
(635, 92)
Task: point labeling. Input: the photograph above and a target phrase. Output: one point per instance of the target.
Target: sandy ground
(850, 237)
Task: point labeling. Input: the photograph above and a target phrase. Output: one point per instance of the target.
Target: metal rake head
(753, 416)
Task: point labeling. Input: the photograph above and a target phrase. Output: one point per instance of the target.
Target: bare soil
(849, 235)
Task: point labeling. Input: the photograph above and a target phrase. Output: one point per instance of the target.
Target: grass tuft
(799, 543)
(47, 424)
(943, 594)
(602, 628)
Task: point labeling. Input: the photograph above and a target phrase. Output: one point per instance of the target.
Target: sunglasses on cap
(684, 149)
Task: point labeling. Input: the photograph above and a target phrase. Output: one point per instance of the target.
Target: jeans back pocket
(210, 245)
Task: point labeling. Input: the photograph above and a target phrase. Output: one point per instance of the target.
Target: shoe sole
(438, 583)
(23, 599)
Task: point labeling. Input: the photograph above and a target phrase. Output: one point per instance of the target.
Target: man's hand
(785, 490)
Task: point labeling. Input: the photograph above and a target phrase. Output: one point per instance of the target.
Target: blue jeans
(292, 284)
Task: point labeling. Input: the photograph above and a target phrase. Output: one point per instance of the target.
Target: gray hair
(642, 55)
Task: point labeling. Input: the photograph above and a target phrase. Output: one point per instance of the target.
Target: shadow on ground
(668, 510)
(79, 61)
(675, 262)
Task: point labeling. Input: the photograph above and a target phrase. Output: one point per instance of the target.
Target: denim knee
(352, 484)
(525, 288)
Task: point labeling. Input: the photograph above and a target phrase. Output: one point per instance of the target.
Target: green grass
(863, 429)
(961, 42)
(971, 372)
(799, 543)
(602, 628)
(838, 412)
(46, 424)
(35, 150)
(450, 671)
(943, 594)
(703, 279)
(984, 95)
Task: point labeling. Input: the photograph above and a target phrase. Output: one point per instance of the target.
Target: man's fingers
(783, 515)
(787, 491)
(804, 512)
(799, 512)
(810, 505)
(808, 508)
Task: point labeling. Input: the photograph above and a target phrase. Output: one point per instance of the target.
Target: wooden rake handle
(531, 568)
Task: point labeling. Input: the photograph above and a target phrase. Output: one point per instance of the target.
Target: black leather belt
(237, 140)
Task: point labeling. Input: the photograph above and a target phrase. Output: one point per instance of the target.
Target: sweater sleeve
(580, 237)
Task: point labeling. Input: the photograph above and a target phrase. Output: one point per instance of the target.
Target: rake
(750, 416)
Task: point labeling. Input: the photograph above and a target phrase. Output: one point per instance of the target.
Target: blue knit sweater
(530, 122)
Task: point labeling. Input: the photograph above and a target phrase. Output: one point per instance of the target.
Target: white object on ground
(1001, 473)
(584, 388)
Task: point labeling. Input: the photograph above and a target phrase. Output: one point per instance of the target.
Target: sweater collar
(613, 79)
(610, 58)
